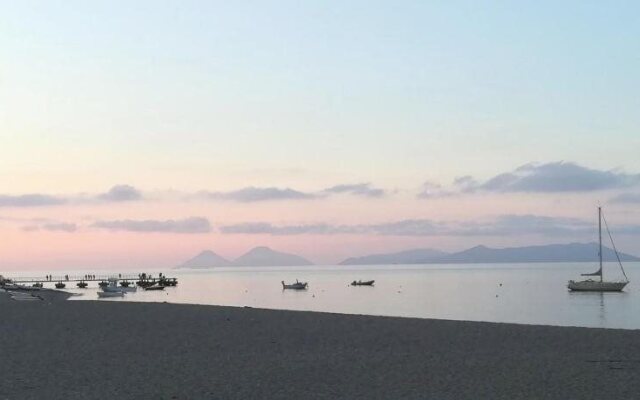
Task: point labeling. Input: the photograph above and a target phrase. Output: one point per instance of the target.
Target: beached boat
(296, 286)
(154, 287)
(111, 294)
(592, 285)
(362, 283)
(112, 287)
(60, 285)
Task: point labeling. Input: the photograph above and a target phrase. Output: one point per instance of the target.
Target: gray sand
(98, 350)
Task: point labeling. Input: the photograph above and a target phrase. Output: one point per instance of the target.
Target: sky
(136, 134)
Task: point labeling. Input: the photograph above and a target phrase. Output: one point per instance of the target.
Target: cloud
(187, 225)
(267, 228)
(255, 194)
(557, 177)
(626, 198)
(553, 177)
(121, 193)
(117, 193)
(60, 227)
(253, 228)
(358, 189)
(499, 226)
(52, 227)
(30, 200)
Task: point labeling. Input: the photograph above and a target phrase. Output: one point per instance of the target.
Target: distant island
(257, 257)
(572, 252)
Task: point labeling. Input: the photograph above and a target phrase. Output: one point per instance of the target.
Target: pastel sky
(136, 134)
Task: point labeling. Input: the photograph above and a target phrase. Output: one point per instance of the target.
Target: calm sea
(519, 293)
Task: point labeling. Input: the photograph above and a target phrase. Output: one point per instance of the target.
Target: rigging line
(614, 247)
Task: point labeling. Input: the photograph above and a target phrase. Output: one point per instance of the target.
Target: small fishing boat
(362, 283)
(103, 284)
(112, 287)
(591, 285)
(125, 284)
(37, 285)
(82, 284)
(295, 286)
(154, 287)
(60, 285)
(111, 294)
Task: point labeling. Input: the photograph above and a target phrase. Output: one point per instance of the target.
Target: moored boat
(295, 286)
(592, 285)
(362, 283)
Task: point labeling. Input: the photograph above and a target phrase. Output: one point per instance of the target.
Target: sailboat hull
(596, 286)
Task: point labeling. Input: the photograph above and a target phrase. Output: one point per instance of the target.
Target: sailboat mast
(600, 239)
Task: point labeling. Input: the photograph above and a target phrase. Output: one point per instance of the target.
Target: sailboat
(593, 285)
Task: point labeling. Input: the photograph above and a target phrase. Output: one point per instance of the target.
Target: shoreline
(92, 349)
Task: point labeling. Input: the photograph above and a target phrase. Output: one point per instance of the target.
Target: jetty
(142, 279)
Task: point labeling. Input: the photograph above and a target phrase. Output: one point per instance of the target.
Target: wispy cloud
(30, 200)
(498, 226)
(270, 229)
(118, 193)
(256, 194)
(187, 225)
(52, 227)
(357, 189)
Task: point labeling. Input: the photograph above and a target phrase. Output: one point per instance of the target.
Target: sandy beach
(97, 350)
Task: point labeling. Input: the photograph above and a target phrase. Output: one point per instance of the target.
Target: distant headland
(572, 252)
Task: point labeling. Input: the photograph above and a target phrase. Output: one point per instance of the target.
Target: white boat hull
(596, 286)
(110, 294)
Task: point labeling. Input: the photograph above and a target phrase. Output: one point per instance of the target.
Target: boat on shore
(112, 287)
(295, 286)
(154, 287)
(362, 283)
(594, 285)
(110, 294)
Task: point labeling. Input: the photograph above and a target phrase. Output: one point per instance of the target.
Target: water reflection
(530, 294)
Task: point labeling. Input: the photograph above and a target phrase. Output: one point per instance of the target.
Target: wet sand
(98, 350)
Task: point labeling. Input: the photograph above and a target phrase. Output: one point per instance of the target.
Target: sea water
(516, 293)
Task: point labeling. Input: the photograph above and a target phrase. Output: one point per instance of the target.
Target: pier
(142, 279)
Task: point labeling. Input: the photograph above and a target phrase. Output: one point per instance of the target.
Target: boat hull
(362, 283)
(596, 286)
(295, 286)
(110, 294)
